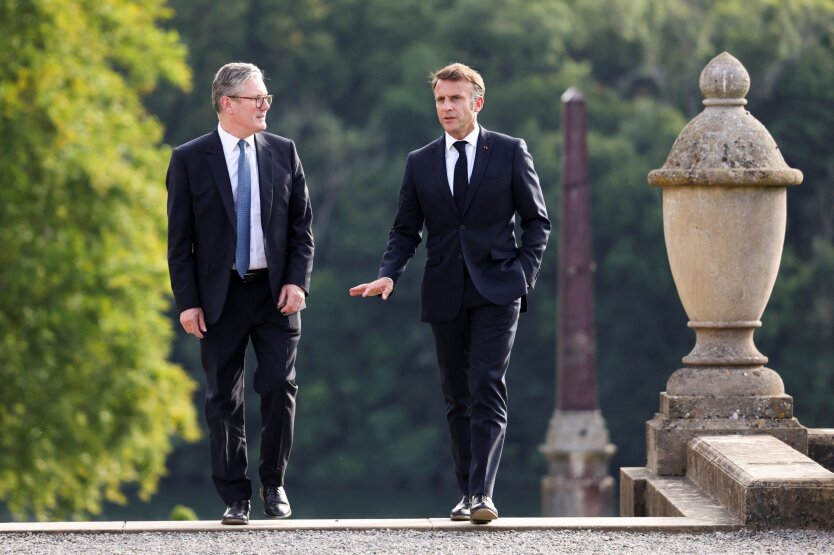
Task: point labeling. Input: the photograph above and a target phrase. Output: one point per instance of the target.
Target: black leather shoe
(461, 510)
(482, 509)
(276, 504)
(236, 513)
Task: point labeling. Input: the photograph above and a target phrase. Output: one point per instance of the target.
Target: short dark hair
(460, 72)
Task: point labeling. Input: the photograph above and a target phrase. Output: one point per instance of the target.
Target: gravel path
(793, 542)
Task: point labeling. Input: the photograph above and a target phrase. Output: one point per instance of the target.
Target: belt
(251, 275)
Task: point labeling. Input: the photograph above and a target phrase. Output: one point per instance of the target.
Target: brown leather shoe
(237, 512)
(461, 510)
(482, 510)
(276, 504)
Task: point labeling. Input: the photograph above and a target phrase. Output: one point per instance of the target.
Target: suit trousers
(249, 313)
(473, 353)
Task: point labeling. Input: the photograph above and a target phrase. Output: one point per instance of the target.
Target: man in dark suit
(240, 254)
(466, 188)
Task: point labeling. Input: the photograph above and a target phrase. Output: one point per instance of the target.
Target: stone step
(762, 481)
(644, 494)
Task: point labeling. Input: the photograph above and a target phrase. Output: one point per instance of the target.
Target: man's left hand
(291, 299)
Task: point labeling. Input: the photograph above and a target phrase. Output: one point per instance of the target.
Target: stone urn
(724, 210)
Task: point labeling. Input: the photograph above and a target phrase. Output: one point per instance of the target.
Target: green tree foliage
(799, 324)
(88, 401)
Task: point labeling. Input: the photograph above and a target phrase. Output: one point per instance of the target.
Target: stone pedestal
(682, 418)
(724, 212)
(667, 436)
(578, 454)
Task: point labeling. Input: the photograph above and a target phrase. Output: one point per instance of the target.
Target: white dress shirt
(257, 252)
(452, 155)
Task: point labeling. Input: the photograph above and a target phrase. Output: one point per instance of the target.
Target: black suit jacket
(503, 183)
(201, 220)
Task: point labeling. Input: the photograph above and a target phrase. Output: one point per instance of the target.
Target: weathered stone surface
(762, 481)
(573, 430)
(563, 496)
(576, 341)
(821, 446)
(732, 408)
(577, 447)
(724, 145)
(724, 214)
(726, 79)
(724, 247)
(578, 453)
(642, 493)
(667, 496)
(633, 491)
(727, 381)
(666, 438)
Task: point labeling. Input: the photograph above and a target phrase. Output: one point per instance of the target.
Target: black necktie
(461, 179)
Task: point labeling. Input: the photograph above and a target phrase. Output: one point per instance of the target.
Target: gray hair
(230, 78)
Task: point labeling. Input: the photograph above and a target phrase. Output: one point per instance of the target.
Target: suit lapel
(482, 151)
(440, 170)
(217, 163)
(264, 156)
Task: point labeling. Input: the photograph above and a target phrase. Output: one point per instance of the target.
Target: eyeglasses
(259, 100)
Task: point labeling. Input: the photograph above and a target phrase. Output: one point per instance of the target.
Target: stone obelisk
(577, 447)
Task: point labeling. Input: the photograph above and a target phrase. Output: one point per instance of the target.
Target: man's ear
(479, 103)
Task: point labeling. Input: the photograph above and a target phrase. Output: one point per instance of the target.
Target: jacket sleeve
(300, 244)
(529, 203)
(181, 265)
(407, 232)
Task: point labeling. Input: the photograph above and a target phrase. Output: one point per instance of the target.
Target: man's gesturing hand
(193, 322)
(381, 286)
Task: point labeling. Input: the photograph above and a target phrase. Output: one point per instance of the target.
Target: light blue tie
(244, 192)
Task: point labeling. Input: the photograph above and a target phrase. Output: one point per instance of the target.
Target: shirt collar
(472, 138)
(229, 141)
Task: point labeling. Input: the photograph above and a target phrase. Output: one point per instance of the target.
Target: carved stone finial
(725, 145)
(724, 81)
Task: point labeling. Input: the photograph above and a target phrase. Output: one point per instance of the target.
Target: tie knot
(461, 146)
(242, 144)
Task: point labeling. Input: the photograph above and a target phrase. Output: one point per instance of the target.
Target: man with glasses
(240, 255)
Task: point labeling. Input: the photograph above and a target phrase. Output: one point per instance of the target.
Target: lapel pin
(486, 147)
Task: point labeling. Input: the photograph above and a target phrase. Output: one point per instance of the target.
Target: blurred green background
(101, 393)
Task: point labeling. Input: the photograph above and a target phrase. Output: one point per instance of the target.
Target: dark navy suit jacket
(503, 184)
(201, 220)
